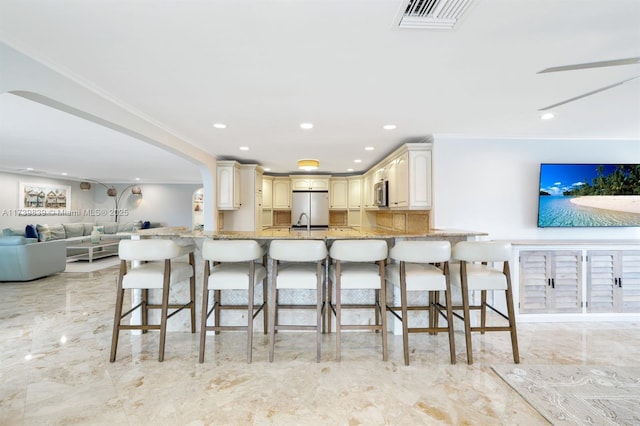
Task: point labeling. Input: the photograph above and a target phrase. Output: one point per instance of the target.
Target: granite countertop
(286, 233)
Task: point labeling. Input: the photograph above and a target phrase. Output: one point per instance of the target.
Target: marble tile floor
(55, 336)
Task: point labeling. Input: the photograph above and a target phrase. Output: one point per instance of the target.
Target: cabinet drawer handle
(553, 283)
(620, 282)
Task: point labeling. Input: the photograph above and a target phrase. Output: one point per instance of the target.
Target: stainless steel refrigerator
(312, 204)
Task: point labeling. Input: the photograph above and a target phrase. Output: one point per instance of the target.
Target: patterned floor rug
(580, 395)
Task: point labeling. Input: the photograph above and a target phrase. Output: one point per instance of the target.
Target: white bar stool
(474, 274)
(158, 270)
(234, 268)
(415, 272)
(359, 264)
(297, 264)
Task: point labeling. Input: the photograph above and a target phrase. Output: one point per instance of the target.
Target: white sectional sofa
(79, 231)
(25, 259)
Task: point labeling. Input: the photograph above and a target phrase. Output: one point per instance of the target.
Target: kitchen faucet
(308, 221)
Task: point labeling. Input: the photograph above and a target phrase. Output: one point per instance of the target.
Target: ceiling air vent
(432, 14)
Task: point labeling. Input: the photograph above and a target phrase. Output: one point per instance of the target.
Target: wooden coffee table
(91, 251)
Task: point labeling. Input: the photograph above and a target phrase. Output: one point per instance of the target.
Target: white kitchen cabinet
(248, 217)
(355, 192)
(267, 192)
(613, 281)
(408, 171)
(367, 191)
(398, 175)
(339, 194)
(576, 281)
(419, 177)
(380, 173)
(309, 183)
(550, 281)
(281, 193)
(228, 173)
(259, 199)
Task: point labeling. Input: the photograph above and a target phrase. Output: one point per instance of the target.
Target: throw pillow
(31, 232)
(44, 234)
(57, 232)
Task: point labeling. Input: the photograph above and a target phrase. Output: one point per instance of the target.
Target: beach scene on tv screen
(589, 195)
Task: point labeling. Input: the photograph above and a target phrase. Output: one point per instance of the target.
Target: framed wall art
(45, 196)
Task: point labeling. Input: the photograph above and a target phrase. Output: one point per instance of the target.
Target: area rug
(578, 395)
(84, 266)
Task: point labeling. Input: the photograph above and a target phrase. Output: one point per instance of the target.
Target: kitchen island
(336, 233)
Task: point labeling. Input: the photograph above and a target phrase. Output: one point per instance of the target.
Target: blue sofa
(23, 260)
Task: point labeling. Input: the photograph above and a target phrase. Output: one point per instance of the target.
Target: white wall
(168, 204)
(9, 201)
(491, 185)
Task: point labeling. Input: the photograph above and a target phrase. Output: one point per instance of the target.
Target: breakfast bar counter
(314, 234)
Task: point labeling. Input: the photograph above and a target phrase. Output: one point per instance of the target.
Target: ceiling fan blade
(593, 92)
(611, 63)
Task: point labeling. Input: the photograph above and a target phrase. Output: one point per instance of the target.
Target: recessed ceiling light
(357, 161)
(547, 116)
(219, 125)
(64, 173)
(369, 148)
(137, 178)
(29, 168)
(244, 148)
(389, 126)
(349, 170)
(267, 169)
(306, 126)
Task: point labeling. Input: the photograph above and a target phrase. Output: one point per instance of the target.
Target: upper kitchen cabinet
(380, 173)
(355, 192)
(409, 174)
(367, 190)
(420, 177)
(281, 193)
(228, 173)
(248, 217)
(338, 195)
(398, 175)
(309, 183)
(267, 192)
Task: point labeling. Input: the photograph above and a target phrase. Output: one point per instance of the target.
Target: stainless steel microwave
(381, 193)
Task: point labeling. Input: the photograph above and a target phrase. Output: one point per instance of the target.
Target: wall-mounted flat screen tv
(589, 195)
